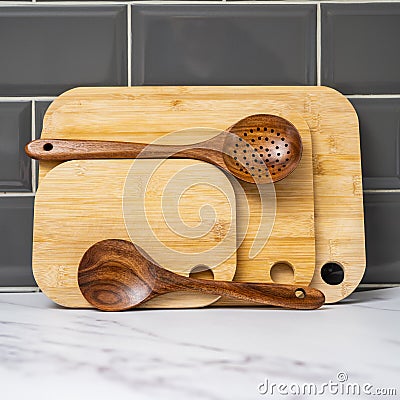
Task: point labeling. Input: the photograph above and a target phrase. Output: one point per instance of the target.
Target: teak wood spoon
(261, 148)
(113, 275)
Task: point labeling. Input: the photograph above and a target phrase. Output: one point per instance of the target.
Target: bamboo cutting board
(147, 113)
(82, 202)
(278, 242)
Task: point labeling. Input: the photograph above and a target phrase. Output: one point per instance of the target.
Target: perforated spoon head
(263, 148)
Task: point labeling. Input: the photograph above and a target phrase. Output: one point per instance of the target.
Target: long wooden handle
(287, 296)
(64, 150)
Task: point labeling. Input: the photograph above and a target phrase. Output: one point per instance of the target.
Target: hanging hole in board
(202, 271)
(282, 272)
(332, 273)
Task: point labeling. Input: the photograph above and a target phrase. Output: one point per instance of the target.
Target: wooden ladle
(114, 275)
(261, 148)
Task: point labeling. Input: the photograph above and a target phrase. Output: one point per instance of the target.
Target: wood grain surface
(147, 113)
(82, 202)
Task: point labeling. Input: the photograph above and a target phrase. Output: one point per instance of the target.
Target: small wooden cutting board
(158, 204)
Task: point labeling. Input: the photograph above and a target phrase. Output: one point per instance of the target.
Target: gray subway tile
(382, 231)
(224, 44)
(46, 50)
(16, 219)
(360, 50)
(380, 141)
(15, 132)
(40, 110)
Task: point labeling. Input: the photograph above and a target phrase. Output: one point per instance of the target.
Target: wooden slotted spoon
(261, 148)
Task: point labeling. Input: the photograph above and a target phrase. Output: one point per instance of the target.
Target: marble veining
(48, 352)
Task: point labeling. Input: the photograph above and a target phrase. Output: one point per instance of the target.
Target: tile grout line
(5, 99)
(17, 194)
(263, 2)
(19, 289)
(373, 96)
(188, 2)
(183, 2)
(319, 45)
(357, 1)
(158, 2)
(129, 37)
(378, 285)
(33, 137)
(64, 3)
(375, 191)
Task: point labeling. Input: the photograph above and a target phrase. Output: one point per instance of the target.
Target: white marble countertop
(47, 352)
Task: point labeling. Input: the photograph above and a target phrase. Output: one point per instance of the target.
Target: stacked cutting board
(306, 229)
